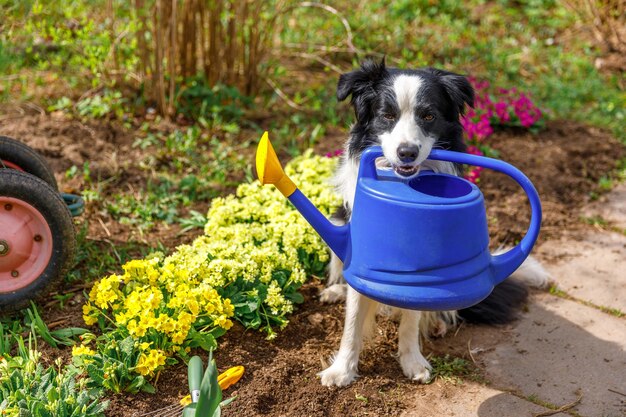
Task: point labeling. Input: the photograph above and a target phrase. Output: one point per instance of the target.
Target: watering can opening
(441, 185)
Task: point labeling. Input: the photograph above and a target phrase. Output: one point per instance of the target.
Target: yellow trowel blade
(269, 170)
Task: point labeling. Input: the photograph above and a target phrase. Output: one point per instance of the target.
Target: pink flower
(502, 111)
(334, 153)
(505, 107)
(474, 174)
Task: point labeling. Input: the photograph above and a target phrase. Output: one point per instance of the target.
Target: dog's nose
(408, 153)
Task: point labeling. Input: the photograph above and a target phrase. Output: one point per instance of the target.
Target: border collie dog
(408, 113)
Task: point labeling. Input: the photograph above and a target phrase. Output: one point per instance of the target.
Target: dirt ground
(564, 161)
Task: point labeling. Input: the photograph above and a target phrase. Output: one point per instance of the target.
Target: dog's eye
(389, 116)
(429, 117)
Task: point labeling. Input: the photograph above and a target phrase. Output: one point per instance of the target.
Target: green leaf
(127, 346)
(210, 392)
(296, 297)
(147, 387)
(218, 332)
(247, 307)
(66, 336)
(228, 401)
(204, 341)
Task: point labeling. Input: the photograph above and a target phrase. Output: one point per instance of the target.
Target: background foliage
(158, 56)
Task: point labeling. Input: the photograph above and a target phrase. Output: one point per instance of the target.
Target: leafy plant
(29, 389)
(95, 258)
(10, 334)
(62, 104)
(195, 221)
(102, 105)
(197, 100)
(188, 167)
(209, 402)
(210, 392)
(161, 201)
(117, 364)
(156, 311)
(55, 338)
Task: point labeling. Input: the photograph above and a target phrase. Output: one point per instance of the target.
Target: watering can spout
(270, 171)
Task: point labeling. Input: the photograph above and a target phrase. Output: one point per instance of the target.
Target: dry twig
(282, 95)
(560, 409)
(469, 350)
(617, 392)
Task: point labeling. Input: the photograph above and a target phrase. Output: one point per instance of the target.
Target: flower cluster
(508, 108)
(255, 254)
(262, 249)
(159, 308)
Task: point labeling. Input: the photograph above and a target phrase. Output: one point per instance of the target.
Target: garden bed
(566, 161)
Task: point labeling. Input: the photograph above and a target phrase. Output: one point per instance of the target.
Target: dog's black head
(407, 112)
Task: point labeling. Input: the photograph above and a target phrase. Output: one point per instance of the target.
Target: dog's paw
(439, 328)
(337, 375)
(334, 294)
(415, 367)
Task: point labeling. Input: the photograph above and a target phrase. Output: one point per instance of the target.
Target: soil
(114, 164)
(564, 161)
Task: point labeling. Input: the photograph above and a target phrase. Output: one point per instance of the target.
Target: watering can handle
(367, 169)
(505, 264)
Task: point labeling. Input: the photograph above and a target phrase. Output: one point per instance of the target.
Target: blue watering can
(420, 244)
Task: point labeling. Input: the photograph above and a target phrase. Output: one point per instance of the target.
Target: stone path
(570, 347)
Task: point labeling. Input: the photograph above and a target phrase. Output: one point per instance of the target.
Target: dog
(408, 113)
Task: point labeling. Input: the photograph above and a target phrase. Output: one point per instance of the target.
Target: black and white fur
(408, 113)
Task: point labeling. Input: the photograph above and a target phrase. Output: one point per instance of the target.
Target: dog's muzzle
(403, 171)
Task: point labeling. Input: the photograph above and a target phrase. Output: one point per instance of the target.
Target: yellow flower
(82, 350)
(223, 322)
(148, 364)
(90, 314)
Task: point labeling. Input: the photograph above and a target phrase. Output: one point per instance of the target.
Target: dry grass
(607, 20)
(224, 41)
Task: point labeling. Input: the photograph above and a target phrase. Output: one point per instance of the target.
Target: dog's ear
(458, 88)
(360, 84)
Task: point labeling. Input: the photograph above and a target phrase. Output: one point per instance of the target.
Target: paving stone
(469, 400)
(611, 207)
(592, 268)
(561, 349)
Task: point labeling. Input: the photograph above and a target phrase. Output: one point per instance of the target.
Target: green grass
(453, 369)
(616, 312)
(97, 258)
(184, 169)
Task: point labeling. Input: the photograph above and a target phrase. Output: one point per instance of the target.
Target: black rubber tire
(26, 158)
(48, 202)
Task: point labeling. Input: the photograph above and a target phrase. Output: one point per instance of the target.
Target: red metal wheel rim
(25, 244)
(11, 165)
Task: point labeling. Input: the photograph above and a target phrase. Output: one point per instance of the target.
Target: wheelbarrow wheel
(37, 238)
(16, 155)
